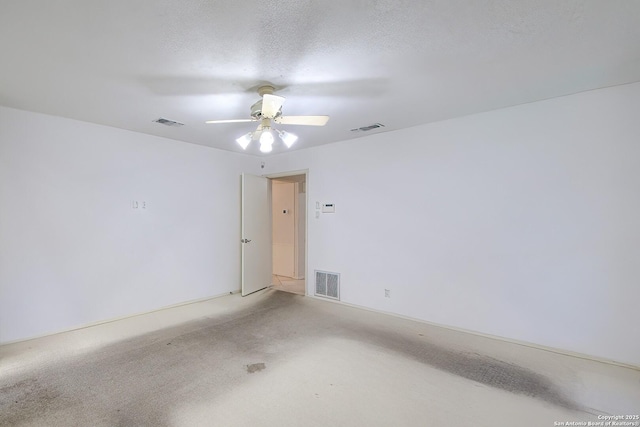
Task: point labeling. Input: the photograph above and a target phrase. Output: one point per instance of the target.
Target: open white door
(256, 234)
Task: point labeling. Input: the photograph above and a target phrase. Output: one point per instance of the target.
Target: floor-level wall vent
(327, 284)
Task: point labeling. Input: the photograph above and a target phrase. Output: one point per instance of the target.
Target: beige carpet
(280, 359)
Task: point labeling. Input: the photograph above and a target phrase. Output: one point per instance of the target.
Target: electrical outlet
(139, 204)
(387, 293)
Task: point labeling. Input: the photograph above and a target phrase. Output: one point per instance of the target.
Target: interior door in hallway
(256, 234)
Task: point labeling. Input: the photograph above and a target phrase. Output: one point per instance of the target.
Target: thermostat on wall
(328, 208)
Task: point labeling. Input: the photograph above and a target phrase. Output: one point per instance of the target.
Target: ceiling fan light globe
(244, 140)
(288, 138)
(266, 138)
(266, 147)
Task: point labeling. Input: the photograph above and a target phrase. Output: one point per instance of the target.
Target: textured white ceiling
(401, 63)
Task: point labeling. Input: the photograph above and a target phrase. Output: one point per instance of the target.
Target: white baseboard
(493, 337)
(115, 319)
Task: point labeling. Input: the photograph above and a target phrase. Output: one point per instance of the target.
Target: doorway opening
(289, 232)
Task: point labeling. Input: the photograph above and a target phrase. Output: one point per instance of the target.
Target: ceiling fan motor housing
(256, 111)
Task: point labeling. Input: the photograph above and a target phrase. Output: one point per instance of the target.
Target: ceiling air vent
(368, 128)
(168, 122)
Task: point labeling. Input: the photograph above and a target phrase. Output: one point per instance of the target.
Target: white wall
(73, 251)
(521, 223)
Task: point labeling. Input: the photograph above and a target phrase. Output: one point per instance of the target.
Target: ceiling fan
(264, 111)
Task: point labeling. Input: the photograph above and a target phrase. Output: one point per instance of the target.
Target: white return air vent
(327, 284)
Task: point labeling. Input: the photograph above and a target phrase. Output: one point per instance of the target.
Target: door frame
(304, 172)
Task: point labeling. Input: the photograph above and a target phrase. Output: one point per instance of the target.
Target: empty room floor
(280, 359)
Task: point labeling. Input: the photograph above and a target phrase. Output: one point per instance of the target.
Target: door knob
(245, 240)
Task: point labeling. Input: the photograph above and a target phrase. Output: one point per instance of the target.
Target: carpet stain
(472, 366)
(255, 367)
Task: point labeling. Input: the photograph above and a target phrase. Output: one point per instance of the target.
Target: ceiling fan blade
(230, 121)
(257, 133)
(302, 120)
(271, 105)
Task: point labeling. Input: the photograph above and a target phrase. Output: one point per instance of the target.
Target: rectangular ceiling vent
(368, 128)
(327, 284)
(168, 122)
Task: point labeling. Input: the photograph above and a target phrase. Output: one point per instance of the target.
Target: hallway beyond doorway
(288, 284)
